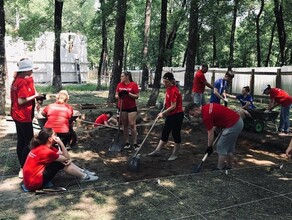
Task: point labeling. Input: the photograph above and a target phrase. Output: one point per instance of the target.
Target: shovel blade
(134, 164)
(116, 145)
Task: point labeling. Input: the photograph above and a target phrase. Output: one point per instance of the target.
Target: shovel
(134, 161)
(198, 169)
(117, 145)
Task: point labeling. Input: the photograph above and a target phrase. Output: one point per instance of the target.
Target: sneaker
(127, 145)
(20, 174)
(88, 172)
(172, 158)
(283, 133)
(89, 178)
(155, 153)
(136, 146)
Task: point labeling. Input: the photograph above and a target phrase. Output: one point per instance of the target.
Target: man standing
(220, 87)
(199, 84)
(216, 115)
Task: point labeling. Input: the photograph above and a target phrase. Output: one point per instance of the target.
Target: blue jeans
(199, 98)
(284, 119)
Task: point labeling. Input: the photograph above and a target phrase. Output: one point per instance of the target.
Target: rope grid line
(144, 180)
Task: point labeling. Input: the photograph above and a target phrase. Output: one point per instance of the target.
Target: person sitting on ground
(245, 100)
(220, 88)
(214, 114)
(58, 116)
(280, 97)
(44, 161)
(106, 119)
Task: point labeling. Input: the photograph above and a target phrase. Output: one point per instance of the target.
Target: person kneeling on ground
(214, 114)
(245, 100)
(106, 119)
(44, 161)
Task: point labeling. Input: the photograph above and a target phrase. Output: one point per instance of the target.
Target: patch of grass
(70, 87)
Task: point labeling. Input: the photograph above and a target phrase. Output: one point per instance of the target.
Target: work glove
(225, 102)
(123, 93)
(209, 150)
(41, 98)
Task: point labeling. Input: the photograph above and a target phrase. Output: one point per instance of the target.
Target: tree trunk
(2, 59)
(191, 51)
(259, 59)
(161, 55)
(145, 69)
(172, 35)
(57, 79)
(103, 63)
(278, 11)
(232, 35)
(270, 45)
(118, 49)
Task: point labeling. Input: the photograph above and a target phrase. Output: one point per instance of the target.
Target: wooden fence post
(251, 83)
(278, 79)
(213, 77)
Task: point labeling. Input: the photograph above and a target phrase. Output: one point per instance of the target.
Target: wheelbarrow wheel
(259, 126)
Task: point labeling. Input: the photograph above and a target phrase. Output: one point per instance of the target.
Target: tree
(192, 49)
(161, 55)
(259, 60)
(278, 10)
(2, 59)
(57, 78)
(103, 62)
(232, 35)
(145, 70)
(118, 49)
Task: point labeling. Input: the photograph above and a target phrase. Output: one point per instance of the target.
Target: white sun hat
(25, 65)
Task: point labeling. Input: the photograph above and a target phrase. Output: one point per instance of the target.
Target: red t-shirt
(173, 94)
(58, 116)
(214, 114)
(22, 87)
(281, 97)
(100, 120)
(128, 102)
(199, 82)
(36, 162)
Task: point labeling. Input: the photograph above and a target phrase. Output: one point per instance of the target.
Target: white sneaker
(172, 158)
(89, 178)
(20, 174)
(88, 172)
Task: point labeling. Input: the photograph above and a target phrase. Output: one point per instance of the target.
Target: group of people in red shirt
(41, 157)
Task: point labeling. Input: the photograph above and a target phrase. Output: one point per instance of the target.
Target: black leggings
(51, 171)
(173, 123)
(24, 135)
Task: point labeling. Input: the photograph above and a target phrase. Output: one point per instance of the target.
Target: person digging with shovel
(216, 115)
(174, 117)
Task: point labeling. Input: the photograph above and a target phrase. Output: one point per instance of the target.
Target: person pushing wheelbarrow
(216, 115)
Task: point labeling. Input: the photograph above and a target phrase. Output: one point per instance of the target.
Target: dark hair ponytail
(41, 138)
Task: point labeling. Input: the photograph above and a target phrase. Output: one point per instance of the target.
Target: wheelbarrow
(259, 119)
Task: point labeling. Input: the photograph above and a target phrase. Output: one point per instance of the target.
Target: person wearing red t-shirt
(44, 161)
(127, 91)
(280, 97)
(199, 84)
(173, 112)
(106, 119)
(58, 116)
(216, 115)
(23, 95)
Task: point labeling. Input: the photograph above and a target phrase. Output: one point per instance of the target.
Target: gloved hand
(225, 102)
(123, 93)
(41, 98)
(209, 150)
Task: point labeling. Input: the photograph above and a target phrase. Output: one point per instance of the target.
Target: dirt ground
(120, 194)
